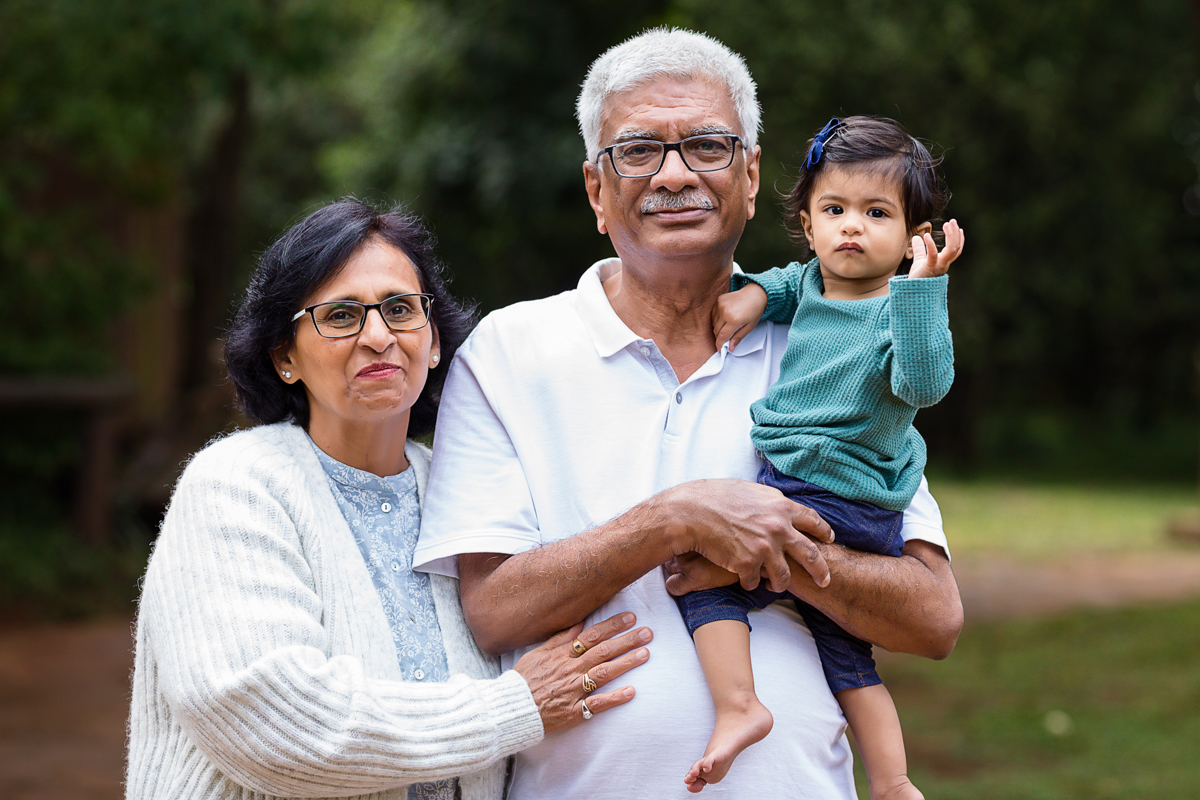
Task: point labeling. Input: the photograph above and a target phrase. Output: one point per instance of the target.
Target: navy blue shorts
(846, 659)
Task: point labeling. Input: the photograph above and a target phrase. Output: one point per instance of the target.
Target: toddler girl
(867, 347)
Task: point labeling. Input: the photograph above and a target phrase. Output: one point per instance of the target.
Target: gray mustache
(663, 200)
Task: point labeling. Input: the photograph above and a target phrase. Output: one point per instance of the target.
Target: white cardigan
(265, 665)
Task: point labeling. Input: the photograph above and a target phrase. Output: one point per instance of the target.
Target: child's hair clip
(818, 146)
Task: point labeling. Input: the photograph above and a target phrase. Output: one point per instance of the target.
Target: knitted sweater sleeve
(922, 364)
(235, 620)
(783, 286)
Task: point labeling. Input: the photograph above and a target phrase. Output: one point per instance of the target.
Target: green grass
(1095, 705)
(1051, 519)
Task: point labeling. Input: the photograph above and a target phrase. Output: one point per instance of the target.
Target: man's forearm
(908, 604)
(514, 601)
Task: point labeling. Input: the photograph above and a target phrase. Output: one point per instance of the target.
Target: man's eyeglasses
(642, 158)
(341, 318)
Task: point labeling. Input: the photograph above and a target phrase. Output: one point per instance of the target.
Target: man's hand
(749, 530)
(927, 261)
(736, 314)
(514, 601)
(695, 573)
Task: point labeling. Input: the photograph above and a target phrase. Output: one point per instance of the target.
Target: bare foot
(739, 725)
(898, 788)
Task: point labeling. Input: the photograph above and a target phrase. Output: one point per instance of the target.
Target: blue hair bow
(818, 146)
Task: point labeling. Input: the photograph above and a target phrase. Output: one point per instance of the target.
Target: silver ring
(589, 685)
(587, 712)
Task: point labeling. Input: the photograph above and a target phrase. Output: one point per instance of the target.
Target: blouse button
(386, 507)
(679, 397)
(419, 674)
(395, 567)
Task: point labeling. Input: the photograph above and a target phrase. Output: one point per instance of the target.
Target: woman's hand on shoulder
(558, 674)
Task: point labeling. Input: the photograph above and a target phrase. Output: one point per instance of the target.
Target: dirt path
(996, 587)
(64, 697)
(64, 689)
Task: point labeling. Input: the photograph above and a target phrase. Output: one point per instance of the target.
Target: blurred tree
(467, 112)
(124, 132)
(1069, 129)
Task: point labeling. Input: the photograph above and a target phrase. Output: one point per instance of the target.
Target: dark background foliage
(149, 149)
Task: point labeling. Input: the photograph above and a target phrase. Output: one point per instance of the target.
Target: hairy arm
(753, 531)
(908, 604)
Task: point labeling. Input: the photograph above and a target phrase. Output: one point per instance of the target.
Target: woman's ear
(435, 349)
(281, 357)
(920, 230)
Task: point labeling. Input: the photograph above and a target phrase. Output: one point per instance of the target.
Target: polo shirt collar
(610, 335)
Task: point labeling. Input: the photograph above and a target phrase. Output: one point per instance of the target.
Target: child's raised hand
(927, 261)
(736, 314)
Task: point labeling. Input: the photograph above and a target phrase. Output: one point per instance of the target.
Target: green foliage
(105, 108)
(111, 112)
(45, 570)
(1091, 705)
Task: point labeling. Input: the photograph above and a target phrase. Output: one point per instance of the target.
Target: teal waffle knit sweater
(850, 383)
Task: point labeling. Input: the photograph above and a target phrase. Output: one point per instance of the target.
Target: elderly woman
(284, 645)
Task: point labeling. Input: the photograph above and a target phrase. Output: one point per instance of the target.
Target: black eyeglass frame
(668, 147)
(426, 306)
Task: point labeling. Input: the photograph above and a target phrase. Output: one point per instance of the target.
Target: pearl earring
(287, 374)
(435, 359)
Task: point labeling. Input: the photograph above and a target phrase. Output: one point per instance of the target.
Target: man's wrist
(669, 518)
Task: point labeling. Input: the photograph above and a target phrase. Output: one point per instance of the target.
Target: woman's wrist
(512, 710)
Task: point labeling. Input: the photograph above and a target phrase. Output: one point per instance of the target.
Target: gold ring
(589, 685)
(587, 712)
(579, 647)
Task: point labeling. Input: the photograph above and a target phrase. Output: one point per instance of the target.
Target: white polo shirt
(556, 418)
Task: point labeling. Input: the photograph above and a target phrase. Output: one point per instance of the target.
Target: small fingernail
(643, 654)
(627, 692)
(627, 619)
(644, 634)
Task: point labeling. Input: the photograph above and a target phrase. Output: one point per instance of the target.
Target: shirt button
(386, 507)
(395, 567)
(419, 674)
(646, 351)
(679, 397)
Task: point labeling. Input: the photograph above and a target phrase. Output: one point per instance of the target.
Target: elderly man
(587, 440)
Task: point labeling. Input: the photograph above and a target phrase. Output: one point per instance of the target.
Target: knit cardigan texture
(850, 382)
(264, 663)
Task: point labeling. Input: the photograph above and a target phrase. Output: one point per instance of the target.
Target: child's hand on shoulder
(927, 261)
(736, 314)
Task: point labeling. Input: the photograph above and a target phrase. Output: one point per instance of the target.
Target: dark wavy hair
(294, 267)
(880, 146)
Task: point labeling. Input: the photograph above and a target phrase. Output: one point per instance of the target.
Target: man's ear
(752, 165)
(920, 230)
(591, 180)
(806, 225)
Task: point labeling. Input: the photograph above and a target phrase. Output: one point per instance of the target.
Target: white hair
(670, 52)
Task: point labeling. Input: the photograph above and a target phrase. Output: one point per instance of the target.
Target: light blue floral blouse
(384, 515)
